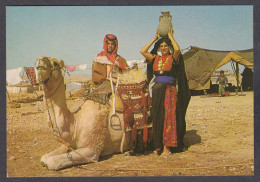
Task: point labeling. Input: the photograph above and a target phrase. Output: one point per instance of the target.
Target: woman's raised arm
(144, 50)
(175, 45)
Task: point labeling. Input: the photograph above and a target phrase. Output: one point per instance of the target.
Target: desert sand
(220, 140)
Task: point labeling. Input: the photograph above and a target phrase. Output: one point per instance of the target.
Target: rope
(51, 122)
(55, 131)
(57, 134)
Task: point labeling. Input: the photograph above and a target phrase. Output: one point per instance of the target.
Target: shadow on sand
(191, 138)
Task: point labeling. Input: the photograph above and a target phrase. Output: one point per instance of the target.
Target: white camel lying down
(87, 131)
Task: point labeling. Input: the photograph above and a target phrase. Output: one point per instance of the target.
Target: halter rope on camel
(56, 133)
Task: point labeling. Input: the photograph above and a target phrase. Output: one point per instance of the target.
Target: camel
(84, 135)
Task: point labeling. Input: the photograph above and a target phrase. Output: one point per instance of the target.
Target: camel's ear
(61, 63)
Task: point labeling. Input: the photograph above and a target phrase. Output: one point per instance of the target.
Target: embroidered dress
(169, 131)
(177, 73)
(164, 98)
(163, 63)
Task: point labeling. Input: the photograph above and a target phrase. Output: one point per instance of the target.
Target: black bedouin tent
(200, 64)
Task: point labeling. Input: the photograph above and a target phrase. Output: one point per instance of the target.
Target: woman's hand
(156, 37)
(170, 33)
(175, 45)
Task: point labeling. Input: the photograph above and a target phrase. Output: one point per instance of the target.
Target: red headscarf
(111, 56)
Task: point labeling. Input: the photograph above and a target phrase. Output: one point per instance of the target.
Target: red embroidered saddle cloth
(30, 71)
(135, 105)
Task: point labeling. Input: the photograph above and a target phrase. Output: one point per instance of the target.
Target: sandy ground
(220, 137)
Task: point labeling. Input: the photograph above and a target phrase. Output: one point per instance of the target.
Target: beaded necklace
(161, 65)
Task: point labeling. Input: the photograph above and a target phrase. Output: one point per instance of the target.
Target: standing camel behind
(86, 134)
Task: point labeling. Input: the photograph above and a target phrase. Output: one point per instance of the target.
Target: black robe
(183, 98)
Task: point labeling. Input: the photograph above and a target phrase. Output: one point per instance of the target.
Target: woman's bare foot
(166, 152)
(157, 151)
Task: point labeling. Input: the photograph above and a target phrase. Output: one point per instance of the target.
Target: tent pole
(35, 92)
(8, 96)
(19, 93)
(20, 86)
(237, 73)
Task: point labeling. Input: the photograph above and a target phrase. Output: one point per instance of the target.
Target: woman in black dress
(169, 105)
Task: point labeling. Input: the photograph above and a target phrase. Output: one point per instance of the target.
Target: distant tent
(17, 82)
(200, 64)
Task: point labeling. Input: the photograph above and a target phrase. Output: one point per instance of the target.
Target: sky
(75, 33)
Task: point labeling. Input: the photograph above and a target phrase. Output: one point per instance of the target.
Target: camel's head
(48, 68)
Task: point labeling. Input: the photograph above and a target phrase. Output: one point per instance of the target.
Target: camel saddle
(102, 94)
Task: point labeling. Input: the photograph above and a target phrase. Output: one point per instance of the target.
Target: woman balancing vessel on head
(169, 105)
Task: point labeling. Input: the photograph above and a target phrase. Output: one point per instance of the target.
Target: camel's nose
(43, 68)
(40, 64)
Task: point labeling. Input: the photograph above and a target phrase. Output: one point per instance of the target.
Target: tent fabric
(30, 71)
(200, 64)
(14, 76)
(233, 56)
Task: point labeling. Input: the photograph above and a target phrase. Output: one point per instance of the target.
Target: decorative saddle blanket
(135, 101)
(135, 107)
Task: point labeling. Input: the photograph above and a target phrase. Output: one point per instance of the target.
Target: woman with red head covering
(108, 60)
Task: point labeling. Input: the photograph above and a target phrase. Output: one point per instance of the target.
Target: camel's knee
(61, 150)
(54, 163)
(43, 164)
(85, 155)
(93, 158)
(44, 159)
(79, 156)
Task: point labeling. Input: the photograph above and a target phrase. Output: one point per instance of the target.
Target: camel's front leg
(61, 150)
(72, 158)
